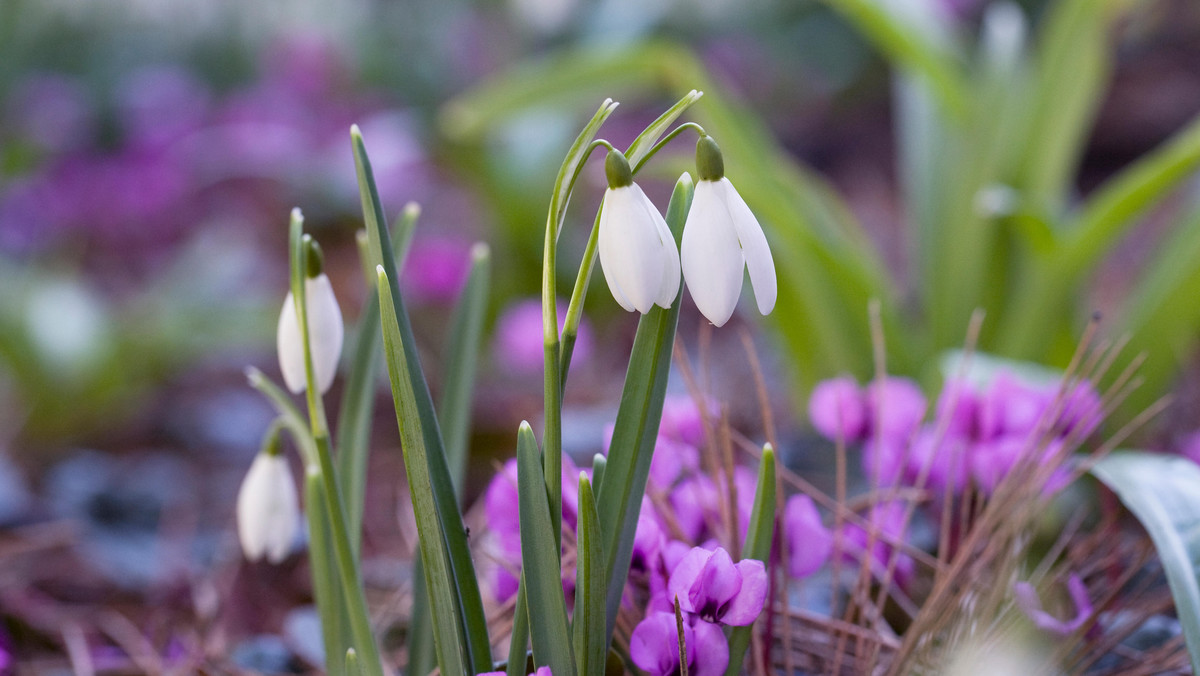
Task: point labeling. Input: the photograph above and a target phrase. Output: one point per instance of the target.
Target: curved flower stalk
(325, 329)
(268, 512)
(637, 251)
(720, 239)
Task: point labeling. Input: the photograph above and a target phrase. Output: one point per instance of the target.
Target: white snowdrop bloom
(325, 332)
(721, 238)
(267, 510)
(637, 250)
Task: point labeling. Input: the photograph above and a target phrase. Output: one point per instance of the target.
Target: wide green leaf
(1163, 492)
(760, 535)
(541, 565)
(358, 398)
(422, 435)
(619, 497)
(448, 630)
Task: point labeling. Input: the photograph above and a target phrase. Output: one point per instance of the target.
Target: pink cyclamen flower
(1027, 600)
(1012, 407)
(654, 646)
(809, 542)
(958, 408)
(896, 408)
(683, 421)
(436, 268)
(541, 671)
(519, 346)
(709, 584)
(1189, 446)
(838, 409)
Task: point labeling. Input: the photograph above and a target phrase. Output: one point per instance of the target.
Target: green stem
(352, 589)
(667, 139)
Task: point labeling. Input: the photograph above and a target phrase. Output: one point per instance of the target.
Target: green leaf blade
(636, 427)
(760, 536)
(541, 566)
(588, 626)
(1162, 493)
(417, 405)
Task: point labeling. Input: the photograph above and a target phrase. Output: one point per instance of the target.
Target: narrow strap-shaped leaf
(541, 563)
(1072, 66)
(1161, 312)
(591, 649)
(1161, 491)
(519, 641)
(335, 622)
(422, 652)
(422, 416)
(358, 399)
(1123, 198)
(466, 330)
(439, 579)
(636, 428)
(352, 667)
(759, 538)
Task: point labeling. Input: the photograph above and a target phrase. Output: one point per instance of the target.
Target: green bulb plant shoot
(448, 628)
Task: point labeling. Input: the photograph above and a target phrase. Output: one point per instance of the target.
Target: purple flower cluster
(137, 170)
(676, 554)
(978, 434)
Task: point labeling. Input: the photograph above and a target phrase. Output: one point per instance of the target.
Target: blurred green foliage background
(1035, 159)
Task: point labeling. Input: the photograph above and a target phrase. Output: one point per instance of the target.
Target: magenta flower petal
(711, 650)
(716, 586)
(809, 542)
(838, 409)
(746, 605)
(1027, 600)
(654, 645)
(897, 408)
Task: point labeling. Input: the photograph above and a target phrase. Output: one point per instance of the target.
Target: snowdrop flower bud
(325, 330)
(637, 250)
(721, 238)
(267, 511)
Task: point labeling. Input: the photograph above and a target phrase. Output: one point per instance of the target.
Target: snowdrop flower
(267, 511)
(721, 238)
(325, 330)
(637, 250)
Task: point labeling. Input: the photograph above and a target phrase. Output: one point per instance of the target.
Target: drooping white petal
(267, 509)
(711, 258)
(668, 256)
(630, 249)
(757, 253)
(325, 331)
